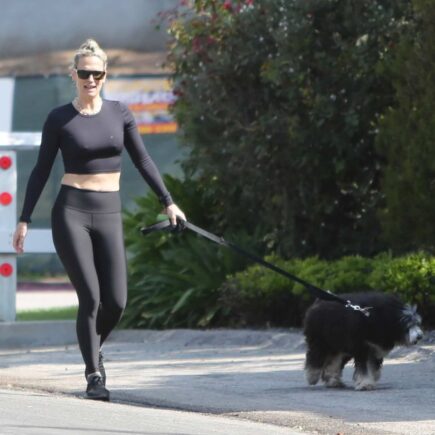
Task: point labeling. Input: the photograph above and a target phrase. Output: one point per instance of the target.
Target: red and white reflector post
(8, 219)
(38, 241)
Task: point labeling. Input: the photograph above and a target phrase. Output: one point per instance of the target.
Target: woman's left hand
(173, 211)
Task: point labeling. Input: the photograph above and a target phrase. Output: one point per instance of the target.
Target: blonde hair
(89, 48)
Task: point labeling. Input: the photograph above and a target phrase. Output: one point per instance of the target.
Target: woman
(86, 220)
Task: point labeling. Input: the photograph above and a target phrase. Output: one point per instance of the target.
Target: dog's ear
(414, 312)
(411, 309)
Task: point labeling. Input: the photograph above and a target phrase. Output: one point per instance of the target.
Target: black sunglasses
(84, 74)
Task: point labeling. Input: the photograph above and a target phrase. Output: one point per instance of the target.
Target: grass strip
(62, 313)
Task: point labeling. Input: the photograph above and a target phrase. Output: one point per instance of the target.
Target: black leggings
(88, 236)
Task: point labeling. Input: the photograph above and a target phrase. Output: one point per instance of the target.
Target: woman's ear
(73, 75)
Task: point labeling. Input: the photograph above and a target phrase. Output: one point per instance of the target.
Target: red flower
(196, 44)
(227, 5)
(249, 2)
(178, 92)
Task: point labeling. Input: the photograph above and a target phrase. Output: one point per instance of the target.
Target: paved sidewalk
(255, 375)
(35, 295)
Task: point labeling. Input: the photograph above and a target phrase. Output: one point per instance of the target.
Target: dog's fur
(335, 334)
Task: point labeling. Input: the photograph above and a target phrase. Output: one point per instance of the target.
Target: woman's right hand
(19, 236)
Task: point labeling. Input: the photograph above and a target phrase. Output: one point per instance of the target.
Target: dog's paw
(364, 385)
(335, 383)
(312, 376)
(376, 375)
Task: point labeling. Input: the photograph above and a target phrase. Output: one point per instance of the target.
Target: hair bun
(91, 45)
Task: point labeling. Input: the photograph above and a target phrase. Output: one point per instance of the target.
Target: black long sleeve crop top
(90, 144)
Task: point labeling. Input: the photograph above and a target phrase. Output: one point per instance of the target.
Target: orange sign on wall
(148, 99)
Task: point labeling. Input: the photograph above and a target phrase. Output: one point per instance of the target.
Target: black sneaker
(96, 389)
(101, 367)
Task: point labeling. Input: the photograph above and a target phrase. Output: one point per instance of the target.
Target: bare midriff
(98, 182)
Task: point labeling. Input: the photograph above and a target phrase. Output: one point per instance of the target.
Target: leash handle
(165, 225)
(159, 226)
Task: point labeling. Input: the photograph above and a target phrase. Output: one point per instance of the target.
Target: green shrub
(258, 297)
(347, 273)
(412, 277)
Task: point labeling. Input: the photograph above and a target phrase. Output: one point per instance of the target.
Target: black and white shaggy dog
(335, 334)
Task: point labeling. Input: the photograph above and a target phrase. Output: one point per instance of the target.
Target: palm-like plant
(174, 278)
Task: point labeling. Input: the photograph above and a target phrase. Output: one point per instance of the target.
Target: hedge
(260, 297)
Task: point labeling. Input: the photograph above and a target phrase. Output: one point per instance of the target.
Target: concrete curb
(63, 332)
(37, 333)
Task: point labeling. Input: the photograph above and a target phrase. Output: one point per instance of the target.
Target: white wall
(34, 26)
(6, 103)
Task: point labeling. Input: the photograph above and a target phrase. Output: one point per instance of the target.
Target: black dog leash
(315, 291)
